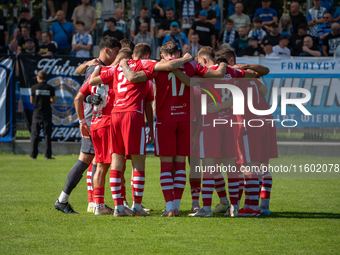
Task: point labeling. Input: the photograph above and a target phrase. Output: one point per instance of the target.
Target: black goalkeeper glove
(94, 100)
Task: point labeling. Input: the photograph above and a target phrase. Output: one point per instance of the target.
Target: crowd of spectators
(194, 24)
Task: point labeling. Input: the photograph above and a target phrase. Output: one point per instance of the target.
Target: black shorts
(87, 146)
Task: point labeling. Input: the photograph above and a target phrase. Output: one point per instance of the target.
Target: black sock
(74, 176)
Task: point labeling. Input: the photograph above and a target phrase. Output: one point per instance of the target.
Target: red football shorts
(253, 144)
(217, 142)
(172, 139)
(102, 144)
(128, 133)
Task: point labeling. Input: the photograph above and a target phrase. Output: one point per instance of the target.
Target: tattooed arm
(131, 75)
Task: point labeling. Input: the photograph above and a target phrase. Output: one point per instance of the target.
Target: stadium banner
(321, 76)
(7, 99)
(62, 76)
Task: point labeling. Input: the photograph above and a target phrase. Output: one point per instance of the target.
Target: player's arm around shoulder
(220, 72)
(131, 75)
(173, 64)
(95, 78)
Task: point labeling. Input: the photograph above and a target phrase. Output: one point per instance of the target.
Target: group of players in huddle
(118, 95)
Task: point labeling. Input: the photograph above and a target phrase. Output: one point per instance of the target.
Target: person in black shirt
(48, 48)
(254, 48)
(164, 27)
(3, 36)
(331, 41)
(204, 29)
(28, 20)
(30, 47)
(113, 32)
(296, 16)
(309, 49)
(42, 95)
(273, 36)
(211, 18)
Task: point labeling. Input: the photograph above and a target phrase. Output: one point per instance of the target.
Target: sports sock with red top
(167, 184)
(208, 186)
(179, 183)
(98, 194)
(89, 184)
(115, 184)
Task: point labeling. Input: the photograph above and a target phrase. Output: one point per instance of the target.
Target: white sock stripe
(206, 196)
(231, 184)
(166, 174)
(138, 194)
(195, 194)
(99, 196)
(207, 189)
(253, 198)
(89, 173)
(268, 182)
(115, 188)
(233, 195)
(252, 189)
(177, 185)
(266, 189)
(183, 179)
(219, 176)
(167, 187)
(252, 182)
(233, 190)
(166, 181)
(180, 172)
(138, 178)
(89, 188)
(219, 183)
(115, 180)
(220, 189)
(115, 196)
(88, 180)
(138, 186)
(208, 182)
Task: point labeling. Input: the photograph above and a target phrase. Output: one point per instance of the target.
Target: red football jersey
(129, 97)
(102, 120)
(149, 97)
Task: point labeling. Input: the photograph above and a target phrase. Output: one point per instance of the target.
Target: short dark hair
(109, 42)
(126, 43)
(141, 49)
(144, 8)
(42, 75)
(257, 20)
(79, 22)
(48, 34)
(169, 48)
(224, 55)
(28, 28)
(124, 53)
(169, 9)
(229, 21)
(194, 33)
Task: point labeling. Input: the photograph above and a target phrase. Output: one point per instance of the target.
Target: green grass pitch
(305, 216)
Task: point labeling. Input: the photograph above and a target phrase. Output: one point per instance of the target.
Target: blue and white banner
(7, 99)
(321, 76)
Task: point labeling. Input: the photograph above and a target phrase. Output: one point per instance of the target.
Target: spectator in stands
(240, 43)
(62, 32)
(50, 4)
(231, 7)
(176, 36)
(336, 16)
(211, 18)
(267, 14)
(314, 17)
(337, 52)
(30, 47)
(25, 33)
(217, 10)
(113, 31)
(164, 27)
(15, 10)
(240, 19)
(28, 20)
(144, 36)
(86, 13)
(257, 30)
(296, 16)
(254, 49)
(296, 40)
(309, 49)
(188, 15)
(142, 3)
(325, 28)
(285, 25)
(82, 41)
(195, 46)
(267, 46)
(229, 34)
(186, 49)
(281, 49)
(47, 48)
(120, 24)
(331, 41)
(204, 29)
(160, 7)
(4, 38)
(273, 36)
(143, 17)
(328, 4)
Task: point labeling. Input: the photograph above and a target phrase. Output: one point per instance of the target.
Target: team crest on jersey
(227, 77)
(63, 110)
